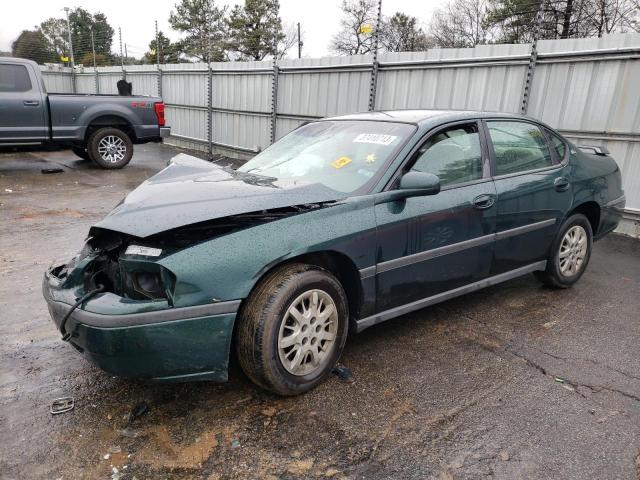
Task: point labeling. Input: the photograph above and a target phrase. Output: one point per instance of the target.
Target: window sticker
(341, 162)
(370, 158)
(377, 138)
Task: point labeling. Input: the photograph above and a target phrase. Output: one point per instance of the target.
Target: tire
(266, 320)
(564, 272)
(81, 152)
(110, 148)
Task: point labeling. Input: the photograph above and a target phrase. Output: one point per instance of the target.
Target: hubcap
(308, 332)
(573, 251)
(112, 149)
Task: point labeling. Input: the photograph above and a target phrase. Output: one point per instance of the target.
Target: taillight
(159, 106)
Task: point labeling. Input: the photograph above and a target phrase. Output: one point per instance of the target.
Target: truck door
(22, 118)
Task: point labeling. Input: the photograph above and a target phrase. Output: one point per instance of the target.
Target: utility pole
(71, 59)
(299, 42)
(121, 56)
(126, 55)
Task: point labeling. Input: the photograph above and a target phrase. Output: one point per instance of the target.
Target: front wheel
(570, 253)
(110, 148)
(292, 329)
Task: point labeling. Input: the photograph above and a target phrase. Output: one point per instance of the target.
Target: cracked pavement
(515, 381)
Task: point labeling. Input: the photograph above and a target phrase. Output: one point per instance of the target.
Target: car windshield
(341, 155)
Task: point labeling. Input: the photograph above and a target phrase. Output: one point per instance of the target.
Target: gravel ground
(515, 381)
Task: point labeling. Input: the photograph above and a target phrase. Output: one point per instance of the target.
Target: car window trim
(550, 134)
(554, 164)
(402, 168)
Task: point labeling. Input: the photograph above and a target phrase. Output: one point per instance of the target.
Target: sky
(319, 19)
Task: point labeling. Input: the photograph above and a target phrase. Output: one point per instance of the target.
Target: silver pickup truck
(102, 128)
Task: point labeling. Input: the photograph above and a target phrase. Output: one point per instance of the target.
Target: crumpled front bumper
(146, 339)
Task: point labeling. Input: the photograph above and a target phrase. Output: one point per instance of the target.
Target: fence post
(528, 81)
(95, 70)
(374, 68)
(210, 111)
(274, 100)
(159, 81)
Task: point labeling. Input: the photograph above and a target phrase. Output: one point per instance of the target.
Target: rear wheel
(292, 329)
(570, 253)
(81, 151)
(110, 148)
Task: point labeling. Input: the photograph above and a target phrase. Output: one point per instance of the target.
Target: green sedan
(342, 224)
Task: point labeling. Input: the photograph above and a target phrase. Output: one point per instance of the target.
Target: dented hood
(191, 190)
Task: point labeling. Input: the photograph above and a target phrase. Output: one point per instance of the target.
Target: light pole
(71, 59)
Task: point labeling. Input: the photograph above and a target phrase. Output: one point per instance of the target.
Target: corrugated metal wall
(587, 88)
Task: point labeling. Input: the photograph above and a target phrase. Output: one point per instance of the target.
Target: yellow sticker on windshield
(370, 158)
(341, 162)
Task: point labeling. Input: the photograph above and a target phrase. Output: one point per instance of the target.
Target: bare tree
(611, 16)
(356, 27)
(460, 23)
(289, 39)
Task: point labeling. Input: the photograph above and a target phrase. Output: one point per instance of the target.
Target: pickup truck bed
(102, 128)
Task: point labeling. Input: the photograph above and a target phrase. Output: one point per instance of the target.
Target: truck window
(14, 78)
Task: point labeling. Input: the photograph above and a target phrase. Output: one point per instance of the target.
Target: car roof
(420, 117)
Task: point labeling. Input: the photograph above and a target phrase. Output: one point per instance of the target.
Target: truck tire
(292, 329)
(81, 151)
(110, 148)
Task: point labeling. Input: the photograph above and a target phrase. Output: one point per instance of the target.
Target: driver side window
(454, 155)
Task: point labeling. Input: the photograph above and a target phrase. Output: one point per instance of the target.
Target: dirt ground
(516, 381)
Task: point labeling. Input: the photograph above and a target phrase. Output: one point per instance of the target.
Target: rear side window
(558, 145)
(518, 147)
(454, 155)
(14, 78)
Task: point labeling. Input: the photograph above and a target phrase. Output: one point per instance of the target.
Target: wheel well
(340, 266)
(591, 210)
(110, 121)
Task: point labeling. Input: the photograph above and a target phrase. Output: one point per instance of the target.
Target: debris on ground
(343, 373)
(8, 190)
(51, 170)
(235, 444)
(559, 380)
(129, 433)
(140, 409)
(61, 405)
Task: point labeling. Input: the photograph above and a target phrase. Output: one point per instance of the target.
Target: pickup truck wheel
(292, 329)
(81, 152)
(570, 253)
(110, 148)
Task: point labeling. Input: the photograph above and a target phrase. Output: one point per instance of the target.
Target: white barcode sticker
(377, 138)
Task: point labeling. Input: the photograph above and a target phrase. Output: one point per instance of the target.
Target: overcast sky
(318, 18)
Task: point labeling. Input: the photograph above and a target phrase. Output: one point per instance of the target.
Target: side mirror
(419, 183)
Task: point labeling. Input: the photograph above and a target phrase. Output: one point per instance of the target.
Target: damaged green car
(342, 224)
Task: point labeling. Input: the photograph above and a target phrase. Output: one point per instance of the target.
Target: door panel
(530, 210)
(22, 116)
(530, 204)
(427, 245)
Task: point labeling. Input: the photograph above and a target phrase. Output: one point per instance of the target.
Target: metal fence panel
(58, 80)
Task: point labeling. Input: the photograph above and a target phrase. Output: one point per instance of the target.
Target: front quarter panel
(228, 267)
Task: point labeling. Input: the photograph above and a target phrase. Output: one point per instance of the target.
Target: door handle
(561, 184)
(483, 201)
(31, 103)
